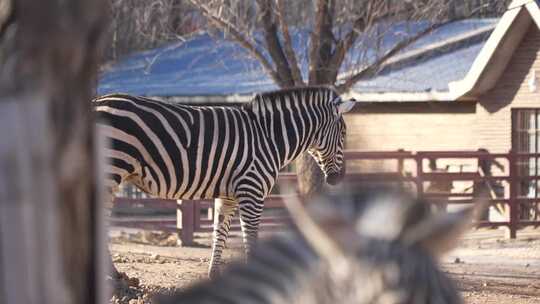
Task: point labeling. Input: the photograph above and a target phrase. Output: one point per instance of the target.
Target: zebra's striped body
(234, 153)
(180, 152)
(387, 247)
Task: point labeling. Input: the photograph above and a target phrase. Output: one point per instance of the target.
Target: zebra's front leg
(223, 213)
(250, 218)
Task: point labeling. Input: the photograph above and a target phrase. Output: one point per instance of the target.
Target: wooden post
(514, 191)
(27, 260)
(210, 213)
(185, 214)
(400, 168)
(196, 215)
(50, 247)
(419, 175)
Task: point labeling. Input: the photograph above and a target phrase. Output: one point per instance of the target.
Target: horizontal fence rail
(514, 197)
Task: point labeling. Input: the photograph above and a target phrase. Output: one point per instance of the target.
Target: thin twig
(238, 38)
(374, 67)
(162, 51)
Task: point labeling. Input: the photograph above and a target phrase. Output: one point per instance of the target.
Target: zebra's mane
(279, 95)
(108, 97)
(265, 97)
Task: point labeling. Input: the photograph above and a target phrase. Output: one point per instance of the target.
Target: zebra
(365, 247)
(179, 151)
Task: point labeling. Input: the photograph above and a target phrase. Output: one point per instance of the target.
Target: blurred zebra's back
(380, 248)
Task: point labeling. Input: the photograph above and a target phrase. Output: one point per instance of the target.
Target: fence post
(210, 213)
(400, 162)
(513, 201)
(419, 175)
(185, 215)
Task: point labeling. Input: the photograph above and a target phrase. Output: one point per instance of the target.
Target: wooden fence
(400, 167)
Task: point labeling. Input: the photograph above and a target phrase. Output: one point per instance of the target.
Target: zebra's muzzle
(334, 178)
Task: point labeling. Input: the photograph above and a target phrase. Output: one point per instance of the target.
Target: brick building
(494, 106)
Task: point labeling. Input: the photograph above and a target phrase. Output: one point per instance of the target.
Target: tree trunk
(50, 243)
(310, 176)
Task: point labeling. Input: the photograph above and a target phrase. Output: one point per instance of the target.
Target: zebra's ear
(440, 233)
(345, 106)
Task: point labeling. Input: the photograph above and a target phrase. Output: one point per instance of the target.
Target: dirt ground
(487, 267)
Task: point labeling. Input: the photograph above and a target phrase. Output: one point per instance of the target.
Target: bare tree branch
(375, 66)
(289, 51)
(151, 61)
(273, 45)
(240, 39)
(321, 42)
(141, 24)
(375, 12)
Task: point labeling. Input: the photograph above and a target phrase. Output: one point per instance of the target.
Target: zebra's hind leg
(223, 213)
(250, 217)
(111, 188)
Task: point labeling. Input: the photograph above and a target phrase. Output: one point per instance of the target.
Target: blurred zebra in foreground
(378, 247)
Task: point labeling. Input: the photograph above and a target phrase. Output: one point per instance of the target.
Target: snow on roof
(206, 66)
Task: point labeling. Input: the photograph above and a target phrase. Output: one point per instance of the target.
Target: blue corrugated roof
(204, 65)
(431, 74)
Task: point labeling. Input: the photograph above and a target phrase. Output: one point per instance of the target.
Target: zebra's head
(385, 237)
(329, 145)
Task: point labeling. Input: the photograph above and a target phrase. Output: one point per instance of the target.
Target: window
(525, 139)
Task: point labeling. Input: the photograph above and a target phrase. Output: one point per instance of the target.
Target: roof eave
(498, 50)
(431, 96)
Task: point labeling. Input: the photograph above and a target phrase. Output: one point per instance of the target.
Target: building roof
(204, 66)
(498, 50)
(424, 75)
(487, 67)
